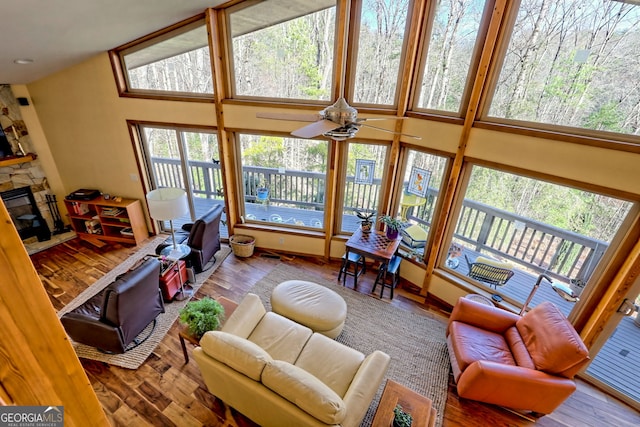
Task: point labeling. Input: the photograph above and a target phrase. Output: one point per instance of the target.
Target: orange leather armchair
(525, 363)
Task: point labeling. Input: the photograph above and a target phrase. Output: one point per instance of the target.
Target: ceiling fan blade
(387, 130)
(294, 117)
(370, 119)
(315, 129)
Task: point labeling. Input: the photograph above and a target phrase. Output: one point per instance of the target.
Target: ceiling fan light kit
(340, 114)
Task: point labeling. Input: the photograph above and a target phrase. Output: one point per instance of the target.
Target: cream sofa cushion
(332, 363)
(305, 391)
(237, 353)
(282, 338)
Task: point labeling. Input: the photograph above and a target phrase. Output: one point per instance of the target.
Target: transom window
(177, 62)
(573, 63)
(280, 51)
(449, 54)
(380, 50)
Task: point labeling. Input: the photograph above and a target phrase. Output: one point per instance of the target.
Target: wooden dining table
(374, 245)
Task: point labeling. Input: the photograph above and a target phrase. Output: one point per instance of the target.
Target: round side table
(481, 299)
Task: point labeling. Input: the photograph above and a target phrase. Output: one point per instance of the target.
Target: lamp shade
(167, 203)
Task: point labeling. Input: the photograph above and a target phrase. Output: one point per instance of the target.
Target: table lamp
(563, 290)
(169, 204)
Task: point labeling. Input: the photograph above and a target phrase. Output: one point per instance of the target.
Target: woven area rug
(416, 343)
(133, 358)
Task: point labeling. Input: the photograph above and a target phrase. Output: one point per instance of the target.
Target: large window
(532, 227)
(380, 50)
(365, 168)
(449, 54)
(281, 51)
(573, 63)
(177, 62)
(187, 159)
(421, 186)
(284, 179)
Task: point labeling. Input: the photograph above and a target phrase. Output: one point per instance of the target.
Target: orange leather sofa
(525, 363)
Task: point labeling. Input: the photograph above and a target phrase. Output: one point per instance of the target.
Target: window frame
(595, 285)
(607, 139)
(342, 178)
(121, 74)
(355, 23)
(240, 188)
(437, 206)
(423, 53)
(229, 62)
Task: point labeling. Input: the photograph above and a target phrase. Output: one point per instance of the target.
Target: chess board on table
(372, 245)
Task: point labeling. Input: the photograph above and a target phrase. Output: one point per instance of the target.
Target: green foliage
(268, 152)
(391, 222)
(202, 315)
(401, 418)
(571, 209)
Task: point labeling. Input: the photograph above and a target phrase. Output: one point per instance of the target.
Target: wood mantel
(14, 160)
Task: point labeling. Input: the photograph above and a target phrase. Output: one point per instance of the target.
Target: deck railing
(534, 245)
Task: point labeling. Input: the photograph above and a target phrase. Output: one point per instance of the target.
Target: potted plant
(401, 418)
(393, 226)
(202, 315)
(365, 220)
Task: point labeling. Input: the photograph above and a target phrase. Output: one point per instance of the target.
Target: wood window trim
(120, 72)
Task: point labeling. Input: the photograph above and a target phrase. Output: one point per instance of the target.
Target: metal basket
(242, 245)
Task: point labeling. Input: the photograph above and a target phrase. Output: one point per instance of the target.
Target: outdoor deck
(618, 362)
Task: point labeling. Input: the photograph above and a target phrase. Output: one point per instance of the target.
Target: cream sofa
(280, 373)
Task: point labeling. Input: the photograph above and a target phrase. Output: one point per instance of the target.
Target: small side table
(480, 298)
(184, 335)
(414, 403)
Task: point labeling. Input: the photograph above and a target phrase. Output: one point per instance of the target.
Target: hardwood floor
(166, 392)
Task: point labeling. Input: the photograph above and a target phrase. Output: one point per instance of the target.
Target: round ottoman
(312, 305)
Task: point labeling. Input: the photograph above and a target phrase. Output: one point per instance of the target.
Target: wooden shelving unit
(99, 221)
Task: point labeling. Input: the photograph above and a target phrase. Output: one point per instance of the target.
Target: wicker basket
(242, 245)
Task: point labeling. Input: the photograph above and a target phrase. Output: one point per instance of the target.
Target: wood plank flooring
(166, 392)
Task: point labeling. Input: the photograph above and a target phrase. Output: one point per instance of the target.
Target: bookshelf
(99, 221)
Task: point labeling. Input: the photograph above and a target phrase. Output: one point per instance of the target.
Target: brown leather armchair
(524, 363)
(202, 236)
(112, 319)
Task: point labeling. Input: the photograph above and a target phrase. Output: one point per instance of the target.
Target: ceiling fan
(338, 121)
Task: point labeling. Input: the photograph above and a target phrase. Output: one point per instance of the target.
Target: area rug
(416, 343)
(135, 357)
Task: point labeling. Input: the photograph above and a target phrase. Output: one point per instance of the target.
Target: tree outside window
(291, 58)
(573, 63)
(538, 228)
(284, 179)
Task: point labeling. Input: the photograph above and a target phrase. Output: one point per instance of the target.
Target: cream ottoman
(312, 305)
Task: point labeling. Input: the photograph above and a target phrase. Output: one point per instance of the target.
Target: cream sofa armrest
(245, 317)
(364, 386)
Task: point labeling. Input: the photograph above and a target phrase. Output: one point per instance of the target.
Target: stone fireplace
(23, 184)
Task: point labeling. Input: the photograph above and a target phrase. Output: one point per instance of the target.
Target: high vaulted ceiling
(56, 34)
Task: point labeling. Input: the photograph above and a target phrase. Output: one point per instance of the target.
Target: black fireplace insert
(25, 214)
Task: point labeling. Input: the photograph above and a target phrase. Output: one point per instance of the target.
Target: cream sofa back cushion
(235, 352)
(335, 365)
(305, 391)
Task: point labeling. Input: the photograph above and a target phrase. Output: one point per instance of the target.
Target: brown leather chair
(202, 236)
(525, 363)
(112, 319)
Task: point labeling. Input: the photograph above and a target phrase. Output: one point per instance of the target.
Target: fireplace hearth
(25, 214)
